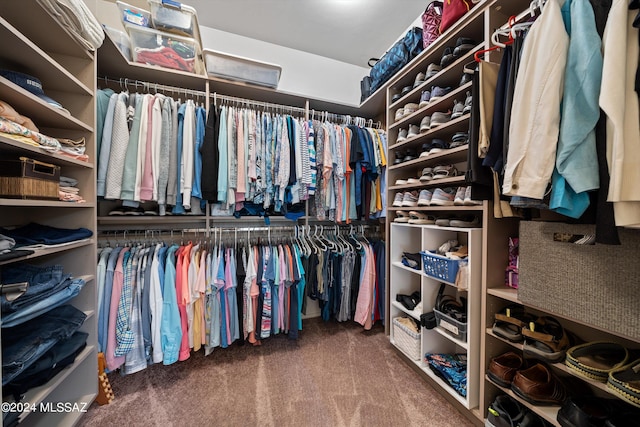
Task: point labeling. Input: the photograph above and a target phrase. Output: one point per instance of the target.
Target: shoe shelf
(443, 182)
(560, 366)
(444, 103)
(450, 155)
(459, 124)
(444, 333)
(477, 208)
(549, 413)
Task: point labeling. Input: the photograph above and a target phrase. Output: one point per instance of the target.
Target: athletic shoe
(413, 181)
(468, 103)
(432, 70)
(459, 199)
(466, 222)
(399, 156)
(401, 181)
(410, 108)
(425, 124)
(425, 198)
(419, 80)
(437, 146)
(402, 135)
(438, 92)
(406, 90)
(438, 118)
(395, 97)
(467, 198)
(427, 174)
(424, 151)
(463, 45)
(466, 78)
(424, 98)
(458, 109)
(410, 198)
(414, 130)
(399, 113)
(443, 196)
(397, 201)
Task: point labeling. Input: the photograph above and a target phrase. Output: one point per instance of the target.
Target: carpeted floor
(334, 375)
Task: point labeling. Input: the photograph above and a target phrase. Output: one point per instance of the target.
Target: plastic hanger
(494, 39)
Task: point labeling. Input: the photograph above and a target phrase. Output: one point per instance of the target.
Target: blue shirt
(170, 329)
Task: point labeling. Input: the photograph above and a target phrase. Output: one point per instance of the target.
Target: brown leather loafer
(538, 386)
(503, 368)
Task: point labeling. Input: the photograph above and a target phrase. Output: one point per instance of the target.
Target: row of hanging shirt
(247, 161)
(157, 302)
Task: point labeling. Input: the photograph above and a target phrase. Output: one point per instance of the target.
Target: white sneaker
(401, 217)
(397, 201)
(443, 196)
(459, 199)
(425, 198)
(401, 181)
(410, 199)
(413, 181)
(467, 198)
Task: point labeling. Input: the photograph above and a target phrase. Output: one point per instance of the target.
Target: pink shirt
(114, 362)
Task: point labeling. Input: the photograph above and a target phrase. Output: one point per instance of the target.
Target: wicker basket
(29, 179)
(407, 340)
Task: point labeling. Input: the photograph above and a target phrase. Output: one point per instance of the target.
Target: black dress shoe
(584, 411)
(406, 301)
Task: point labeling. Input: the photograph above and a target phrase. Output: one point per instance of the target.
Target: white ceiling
(350, 31)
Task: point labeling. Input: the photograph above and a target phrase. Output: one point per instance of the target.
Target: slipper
(625, 382)
(420, 218)
(595, 360)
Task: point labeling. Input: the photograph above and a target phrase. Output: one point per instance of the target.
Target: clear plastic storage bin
(174, 17)
(121, 40)
(133, 15)
(241, 69)
(153, 47)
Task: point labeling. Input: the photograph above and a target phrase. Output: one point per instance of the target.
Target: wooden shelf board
(37, 153)
(32, 58)
(44, 203)
(435, 208)
(505, 293)
(451, 338)
(413, 313)
(400, 265)
(446, 387)
(49, 251)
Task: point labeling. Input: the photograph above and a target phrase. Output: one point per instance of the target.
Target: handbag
(403, 51)
(452, 10)
(431, 18)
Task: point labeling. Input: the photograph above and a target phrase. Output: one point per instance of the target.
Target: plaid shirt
(124, 334)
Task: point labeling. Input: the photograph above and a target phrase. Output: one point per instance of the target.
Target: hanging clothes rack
(149, 87)
(240, 102)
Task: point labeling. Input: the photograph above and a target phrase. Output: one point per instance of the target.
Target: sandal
(510, 321)
(427, 174)
(445, 171)
(545, 339)
(401, 216)
(625, 382)
(420, 218)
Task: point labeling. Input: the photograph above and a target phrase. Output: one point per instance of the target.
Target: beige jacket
(620, 103)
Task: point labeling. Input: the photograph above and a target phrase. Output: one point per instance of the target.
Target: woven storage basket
(29, 179)
(406, 339)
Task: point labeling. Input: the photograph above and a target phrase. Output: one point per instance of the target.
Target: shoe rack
(488, 249)
(67, 72)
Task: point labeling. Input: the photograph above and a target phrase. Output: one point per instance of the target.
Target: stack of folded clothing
(37, 236)
(48, 287)
(35, 351)
(78, 20)
(74, 148)
(68, 191)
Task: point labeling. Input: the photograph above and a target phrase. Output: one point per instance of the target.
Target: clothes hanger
(494, 39)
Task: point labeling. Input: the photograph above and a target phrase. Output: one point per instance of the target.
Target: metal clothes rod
(265, 105)
(152, 87)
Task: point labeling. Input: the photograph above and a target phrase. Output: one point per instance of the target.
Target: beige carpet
(334, 375)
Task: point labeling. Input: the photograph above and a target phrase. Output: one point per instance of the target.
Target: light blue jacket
(170, 329)
(576, 158)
